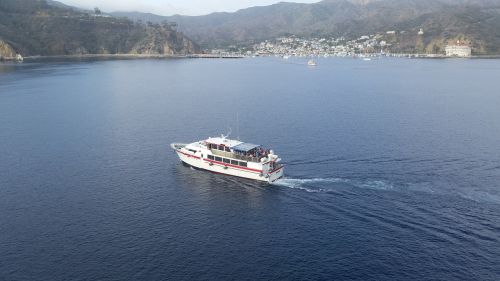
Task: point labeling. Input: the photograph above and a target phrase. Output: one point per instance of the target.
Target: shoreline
(397, 56)
(112, 56)
(205, 56)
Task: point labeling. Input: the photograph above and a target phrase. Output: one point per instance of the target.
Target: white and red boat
(231, 157)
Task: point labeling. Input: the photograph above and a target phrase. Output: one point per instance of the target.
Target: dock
(214, 56)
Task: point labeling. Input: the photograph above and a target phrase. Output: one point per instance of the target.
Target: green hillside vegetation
(443, 21)
(33, 27)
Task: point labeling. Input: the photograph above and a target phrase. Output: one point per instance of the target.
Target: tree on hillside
(97, 11)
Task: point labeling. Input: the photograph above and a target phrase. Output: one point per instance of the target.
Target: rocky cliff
(35, 27)
(6, 51)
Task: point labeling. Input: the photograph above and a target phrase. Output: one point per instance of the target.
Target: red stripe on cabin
(189, 155)
(221, 163)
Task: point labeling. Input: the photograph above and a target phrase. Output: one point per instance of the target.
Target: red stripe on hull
(218, 173)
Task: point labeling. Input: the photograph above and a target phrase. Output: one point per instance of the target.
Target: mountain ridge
(473, 21)
(48, 28)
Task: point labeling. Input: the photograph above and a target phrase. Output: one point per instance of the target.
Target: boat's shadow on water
(205, 180)
(198, 177)
(215, 190)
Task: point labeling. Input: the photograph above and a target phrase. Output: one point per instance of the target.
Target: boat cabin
(236, 149)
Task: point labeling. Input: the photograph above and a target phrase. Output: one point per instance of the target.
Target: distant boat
(312, 63)
(286, 57)
(367, 59)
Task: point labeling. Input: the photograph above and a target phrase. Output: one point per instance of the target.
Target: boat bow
(177, 146)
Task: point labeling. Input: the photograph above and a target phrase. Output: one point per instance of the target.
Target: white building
(458, 51)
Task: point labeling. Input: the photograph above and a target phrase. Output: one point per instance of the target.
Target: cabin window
(211, 157)
(243, 164)
(218, 159)
(234, 162)
(227, 149)
(227, 161)
(193, 151)
(221, 147)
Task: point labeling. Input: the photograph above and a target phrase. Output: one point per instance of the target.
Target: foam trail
(325, 184)
(304, 183)
(295, 182)
(380, 185)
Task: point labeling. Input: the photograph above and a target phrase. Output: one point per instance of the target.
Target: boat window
(193, 151)
(211, 157)
(227, 149)
(227, 161)
(219, 159)
(234, 162)
(243, 164)
(221, 147)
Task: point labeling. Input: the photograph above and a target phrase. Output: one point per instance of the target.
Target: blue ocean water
(392, 170)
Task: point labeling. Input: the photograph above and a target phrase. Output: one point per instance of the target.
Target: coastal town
(364, 46)
(293, 46)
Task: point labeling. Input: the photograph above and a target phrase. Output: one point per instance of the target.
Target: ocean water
(392, 170)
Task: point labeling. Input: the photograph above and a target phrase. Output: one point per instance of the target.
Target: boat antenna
(238, 125)
(228, 133)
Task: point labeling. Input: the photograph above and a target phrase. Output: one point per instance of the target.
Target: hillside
(37, 27)
(474, 21)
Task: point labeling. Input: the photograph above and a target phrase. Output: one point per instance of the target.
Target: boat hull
(227, 169)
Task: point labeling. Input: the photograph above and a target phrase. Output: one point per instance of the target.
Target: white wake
(328, 184)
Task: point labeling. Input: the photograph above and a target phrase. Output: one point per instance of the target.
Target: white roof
(224, 141)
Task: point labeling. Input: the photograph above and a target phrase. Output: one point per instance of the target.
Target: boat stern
(276, 174)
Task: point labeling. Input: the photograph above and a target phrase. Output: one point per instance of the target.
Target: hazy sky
(169, 7)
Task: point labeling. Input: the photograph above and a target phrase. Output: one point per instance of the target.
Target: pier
(215, 56)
